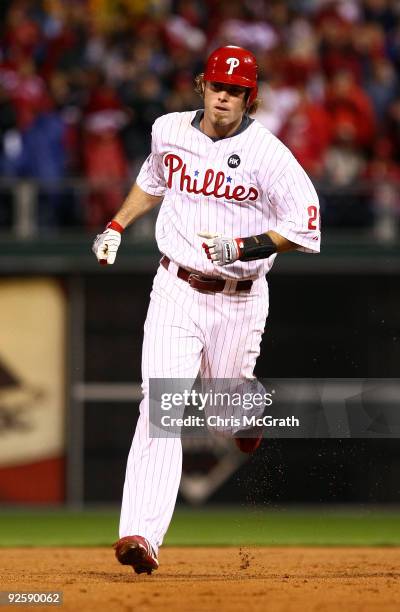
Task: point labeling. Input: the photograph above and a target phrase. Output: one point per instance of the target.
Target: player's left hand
(219, 249)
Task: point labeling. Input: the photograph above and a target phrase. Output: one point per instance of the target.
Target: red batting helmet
(235, 66)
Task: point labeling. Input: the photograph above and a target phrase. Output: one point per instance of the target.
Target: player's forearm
(224, 251)
(261, 246)
(136, 204)
(282, 243)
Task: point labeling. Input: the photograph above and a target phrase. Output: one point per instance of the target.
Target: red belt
(205, 283)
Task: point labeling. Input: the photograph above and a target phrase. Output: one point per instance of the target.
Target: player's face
(224, 104)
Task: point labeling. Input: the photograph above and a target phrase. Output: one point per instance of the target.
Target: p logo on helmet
(234, 66)
(233, 63)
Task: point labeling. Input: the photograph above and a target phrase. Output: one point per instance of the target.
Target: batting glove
(105, 245)
(220, 250)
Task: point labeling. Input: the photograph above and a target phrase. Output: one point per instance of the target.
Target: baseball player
(233, 196)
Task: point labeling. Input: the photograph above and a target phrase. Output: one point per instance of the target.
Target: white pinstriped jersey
(238, 186)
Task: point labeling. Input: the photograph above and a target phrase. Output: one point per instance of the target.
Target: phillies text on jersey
(238, 186)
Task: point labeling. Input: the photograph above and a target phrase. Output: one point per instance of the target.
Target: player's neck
(214, 130)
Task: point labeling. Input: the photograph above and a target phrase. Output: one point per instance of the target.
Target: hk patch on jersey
(234, 161)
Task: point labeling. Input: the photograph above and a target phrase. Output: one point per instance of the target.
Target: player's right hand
(105, 245)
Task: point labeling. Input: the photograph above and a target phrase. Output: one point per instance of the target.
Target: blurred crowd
(81, 82)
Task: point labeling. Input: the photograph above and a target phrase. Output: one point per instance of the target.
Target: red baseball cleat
(136, 551)
(248, 445)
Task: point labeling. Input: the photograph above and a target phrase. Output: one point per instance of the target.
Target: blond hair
(199, 86)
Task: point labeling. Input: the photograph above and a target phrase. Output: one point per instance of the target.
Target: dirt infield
(195, 579)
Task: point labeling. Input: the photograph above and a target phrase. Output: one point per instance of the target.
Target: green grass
(221, 527)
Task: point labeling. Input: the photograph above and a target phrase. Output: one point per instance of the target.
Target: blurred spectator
(383, 175)
(182, 97)
(393, 127)
(64, 40)
(145, 100)
(370, 44)
(40, 154)
(347, 104)
(278, 101)
(238, 30)
(345, 161)
(10, 146)
(22, 35)
(8, 132)
(307, 133)
(26, 89)
(44, 159)
(347, 204)
(383, 12)
(67, 103)
(336, 51)
(382, 86)
(105, 162)
(183, 29)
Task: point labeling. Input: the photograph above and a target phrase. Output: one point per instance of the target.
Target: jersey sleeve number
(313, 216)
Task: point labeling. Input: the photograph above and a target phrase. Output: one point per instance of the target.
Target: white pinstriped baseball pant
(186, 332)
